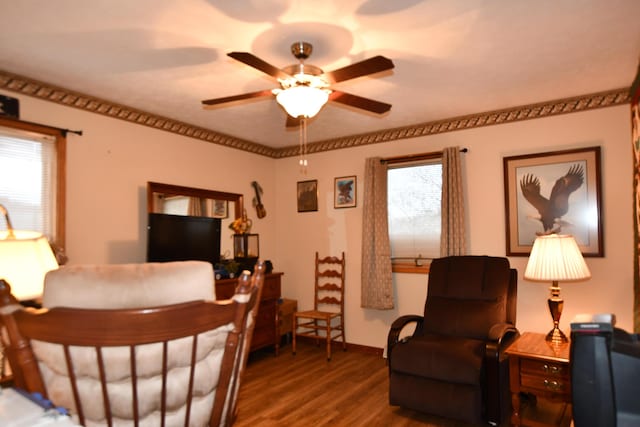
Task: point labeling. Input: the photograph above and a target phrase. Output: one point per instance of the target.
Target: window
(31, 177)
(414, 192)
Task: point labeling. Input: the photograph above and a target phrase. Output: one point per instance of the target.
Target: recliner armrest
(396, 328)
(502, 331)
(499, 337)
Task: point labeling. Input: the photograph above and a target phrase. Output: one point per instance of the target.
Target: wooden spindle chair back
(326, 320)
(206, 326)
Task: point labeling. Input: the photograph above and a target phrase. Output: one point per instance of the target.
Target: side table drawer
(547, 384)
(540, 367)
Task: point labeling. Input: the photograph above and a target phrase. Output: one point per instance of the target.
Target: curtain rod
(61, 130)
(416, 157)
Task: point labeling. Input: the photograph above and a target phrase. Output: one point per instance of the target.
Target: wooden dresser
(266, 330)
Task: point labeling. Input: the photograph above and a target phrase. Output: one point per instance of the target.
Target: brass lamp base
(556, 303)
(556, 336)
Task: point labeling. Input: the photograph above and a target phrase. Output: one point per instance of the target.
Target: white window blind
(28, 180)
(413, 201)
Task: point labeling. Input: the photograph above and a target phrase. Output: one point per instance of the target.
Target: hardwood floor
(306, 390)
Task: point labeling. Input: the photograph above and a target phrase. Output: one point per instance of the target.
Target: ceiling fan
(306, 88)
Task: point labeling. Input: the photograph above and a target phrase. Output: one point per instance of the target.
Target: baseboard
(350, 347)
(365, 349)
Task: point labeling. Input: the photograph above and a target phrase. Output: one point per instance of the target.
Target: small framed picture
(219, 208)
(553, 192)
(344, 192)
(307, 195)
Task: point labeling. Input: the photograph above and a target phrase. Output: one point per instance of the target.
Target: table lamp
(556, 258)
(25, 257)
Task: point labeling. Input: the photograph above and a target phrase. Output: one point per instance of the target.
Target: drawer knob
(550, 368)
(553, 385)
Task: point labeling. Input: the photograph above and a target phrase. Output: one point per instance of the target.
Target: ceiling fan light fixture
(302, 101)
(305, 88)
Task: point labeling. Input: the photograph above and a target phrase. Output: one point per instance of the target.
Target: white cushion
(134, 286)
(128, 285)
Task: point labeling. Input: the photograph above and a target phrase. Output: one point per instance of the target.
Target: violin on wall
(257, 201)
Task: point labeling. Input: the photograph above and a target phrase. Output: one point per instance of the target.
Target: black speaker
(592, 381)
(625, 364)
(9, 107)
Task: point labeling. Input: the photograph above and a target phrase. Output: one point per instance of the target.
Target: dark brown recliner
(452, 366)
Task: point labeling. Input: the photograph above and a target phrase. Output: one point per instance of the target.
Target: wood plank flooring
(306, 390)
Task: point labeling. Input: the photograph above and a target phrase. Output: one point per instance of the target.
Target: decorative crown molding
(38, 89)
(497, 117)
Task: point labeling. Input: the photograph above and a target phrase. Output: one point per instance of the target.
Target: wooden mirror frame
(177, 190)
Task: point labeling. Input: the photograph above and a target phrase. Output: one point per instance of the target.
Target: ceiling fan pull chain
(303, 145)
(304, 142)
(300, 161)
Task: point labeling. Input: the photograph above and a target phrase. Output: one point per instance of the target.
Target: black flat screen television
(183, 238)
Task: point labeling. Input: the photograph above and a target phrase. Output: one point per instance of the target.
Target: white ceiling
(452, 57)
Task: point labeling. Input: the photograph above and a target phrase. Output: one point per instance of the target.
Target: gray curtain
(452, 238)
(376, 278)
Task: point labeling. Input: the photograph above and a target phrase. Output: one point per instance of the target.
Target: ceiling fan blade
(215, 101)
(257, 63)
(292, 121)
(359, 102)
(362, 68)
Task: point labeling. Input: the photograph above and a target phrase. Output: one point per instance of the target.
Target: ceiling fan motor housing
(301, 50)
(301, 68)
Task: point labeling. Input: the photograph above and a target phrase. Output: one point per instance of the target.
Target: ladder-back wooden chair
(176, 364)
(326, 320)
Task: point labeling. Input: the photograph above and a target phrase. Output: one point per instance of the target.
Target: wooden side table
(541, 369)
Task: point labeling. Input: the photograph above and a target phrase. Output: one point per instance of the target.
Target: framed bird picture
(553, 192)
(344, 192)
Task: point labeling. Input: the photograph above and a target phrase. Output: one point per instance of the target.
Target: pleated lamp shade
(556, 257)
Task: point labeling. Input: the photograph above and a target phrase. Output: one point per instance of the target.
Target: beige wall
(333, 230)
(108, 167)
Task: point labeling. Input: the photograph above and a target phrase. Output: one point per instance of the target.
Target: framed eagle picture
(554, 192)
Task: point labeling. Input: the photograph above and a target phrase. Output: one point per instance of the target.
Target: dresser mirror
(179, 200)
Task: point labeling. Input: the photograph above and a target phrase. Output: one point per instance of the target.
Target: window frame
(61, 169)
(417, 266)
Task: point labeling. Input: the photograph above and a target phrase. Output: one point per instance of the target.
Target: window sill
(409, 267)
